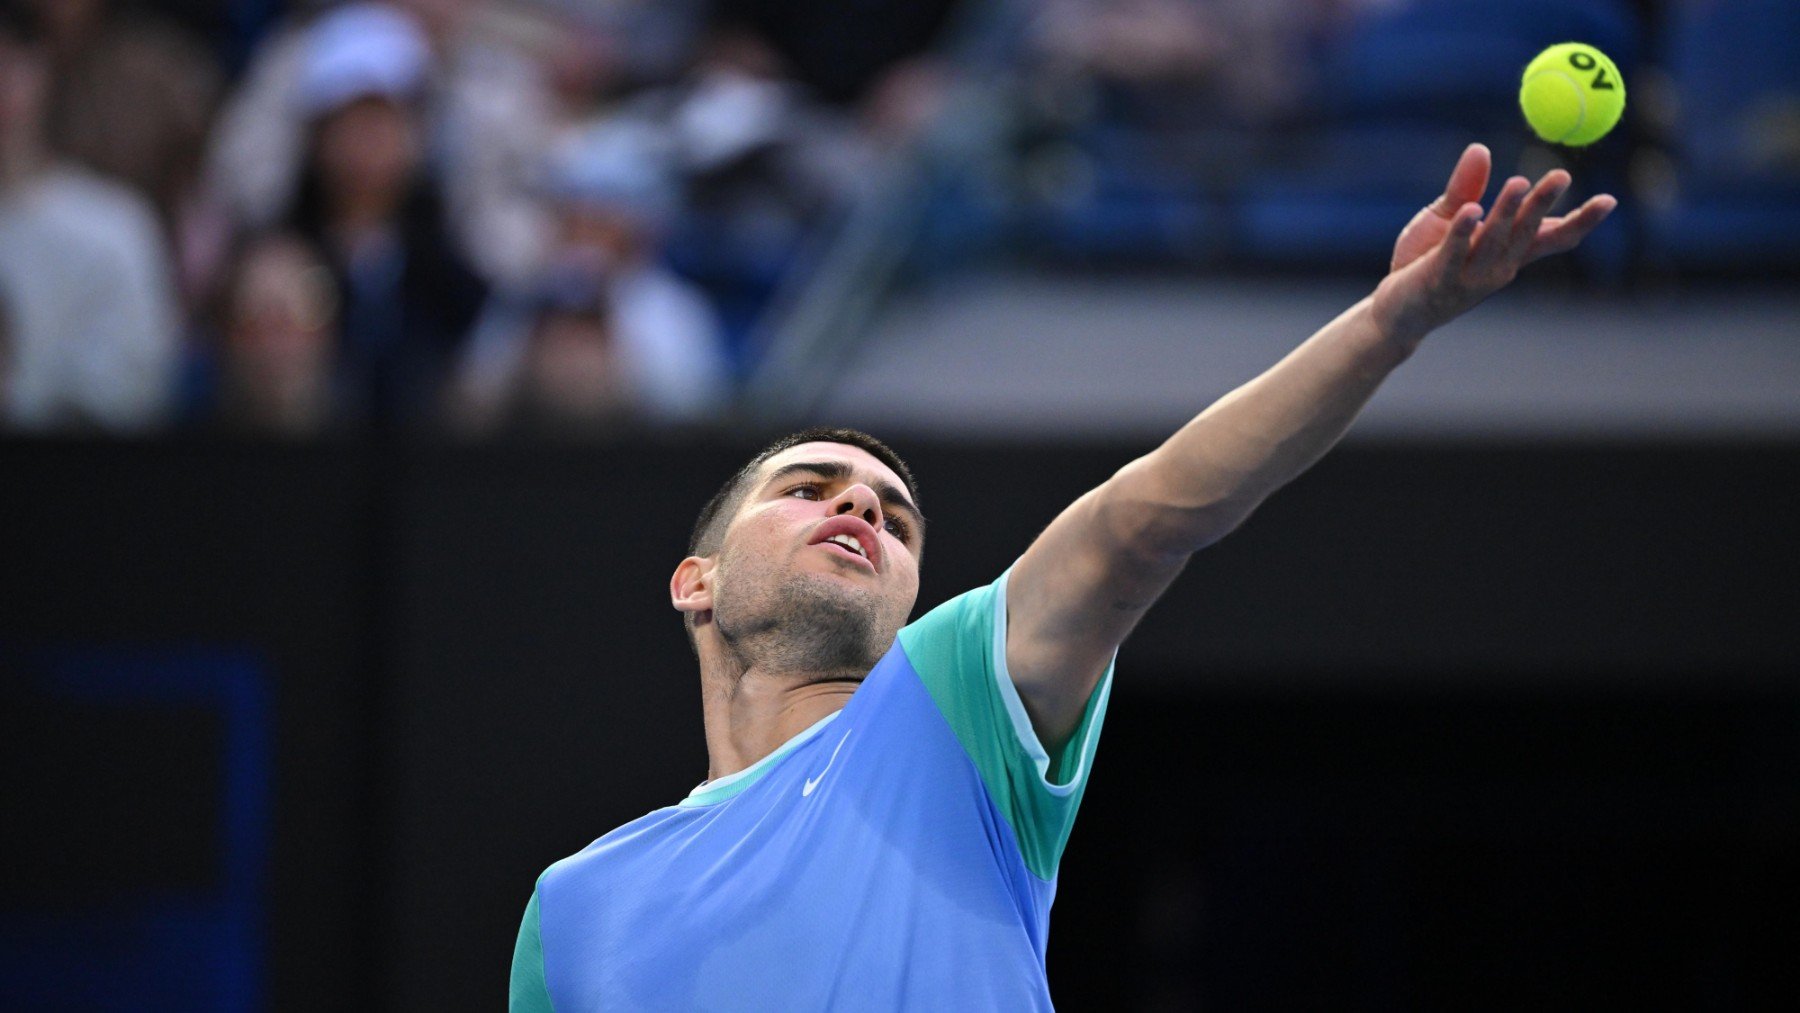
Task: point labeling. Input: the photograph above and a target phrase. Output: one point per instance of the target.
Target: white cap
(361, 50)
(619, 164)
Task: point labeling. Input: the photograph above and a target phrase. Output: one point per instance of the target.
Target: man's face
(821, 561)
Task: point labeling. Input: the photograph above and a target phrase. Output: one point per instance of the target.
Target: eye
(898, 528)
(810, 489)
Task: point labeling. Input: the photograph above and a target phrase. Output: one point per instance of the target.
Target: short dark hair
(709, 529)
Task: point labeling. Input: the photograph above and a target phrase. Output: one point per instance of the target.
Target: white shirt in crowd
(92, 321)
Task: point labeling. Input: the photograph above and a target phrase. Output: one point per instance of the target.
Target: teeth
(849, 542)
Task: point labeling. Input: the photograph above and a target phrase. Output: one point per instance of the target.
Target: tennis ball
(1572, 94)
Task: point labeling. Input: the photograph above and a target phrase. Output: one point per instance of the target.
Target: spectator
(763, 168)
(483, 107)
(133, 97)
(572, 380)
(279, 333)
(1243, 62)
(612, 194)
(367, 201)
(94, 321)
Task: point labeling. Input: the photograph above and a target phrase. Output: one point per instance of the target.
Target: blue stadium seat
(1736, 206)
(1133, 205)
(1345, 193)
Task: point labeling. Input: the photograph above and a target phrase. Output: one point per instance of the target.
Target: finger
(1491, 239)
(1537, 205)
(1560, 235)
(1453, 253)
(1468, 181)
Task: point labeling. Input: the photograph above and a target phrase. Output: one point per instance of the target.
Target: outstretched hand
(1448, 258)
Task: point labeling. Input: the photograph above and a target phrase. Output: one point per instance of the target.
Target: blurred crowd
(567, 216)
(467, 216)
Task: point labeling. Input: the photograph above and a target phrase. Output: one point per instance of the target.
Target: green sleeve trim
(959, 651)
(529, 992)
(1078, 752)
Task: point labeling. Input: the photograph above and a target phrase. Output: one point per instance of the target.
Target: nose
(860, 500)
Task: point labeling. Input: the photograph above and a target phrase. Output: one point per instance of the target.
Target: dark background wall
(1441, 724)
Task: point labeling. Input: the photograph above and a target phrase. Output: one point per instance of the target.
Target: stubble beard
(799, 623)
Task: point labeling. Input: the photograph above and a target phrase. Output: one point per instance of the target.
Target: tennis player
(885, 804)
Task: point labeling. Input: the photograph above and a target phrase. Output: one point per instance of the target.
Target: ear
(690, 589)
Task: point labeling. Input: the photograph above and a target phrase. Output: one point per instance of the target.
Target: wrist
(1395, 325)
(1395, 317)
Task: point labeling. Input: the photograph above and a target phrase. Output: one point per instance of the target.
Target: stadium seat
(1736, 202)
(1131, 206)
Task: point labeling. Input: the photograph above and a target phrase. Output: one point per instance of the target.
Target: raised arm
(1094, 572)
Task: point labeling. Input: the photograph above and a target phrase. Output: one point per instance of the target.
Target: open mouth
(847, 545)
(851, 538)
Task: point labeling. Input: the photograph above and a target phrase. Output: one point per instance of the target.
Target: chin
(829, 590)
(837, 624)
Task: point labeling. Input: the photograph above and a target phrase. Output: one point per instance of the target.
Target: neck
(750, 710)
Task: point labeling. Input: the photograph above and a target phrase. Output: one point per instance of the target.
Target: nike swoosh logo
(813, 782)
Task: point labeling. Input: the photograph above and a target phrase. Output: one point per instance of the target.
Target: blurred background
(363, 366)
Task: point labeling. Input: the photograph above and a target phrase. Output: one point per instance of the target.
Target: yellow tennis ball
(1572, 94)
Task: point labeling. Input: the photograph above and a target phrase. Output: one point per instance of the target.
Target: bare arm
(1087, 580)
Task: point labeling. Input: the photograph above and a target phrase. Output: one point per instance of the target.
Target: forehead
(863, 464)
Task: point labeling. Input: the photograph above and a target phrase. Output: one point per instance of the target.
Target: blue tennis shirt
(899, 854)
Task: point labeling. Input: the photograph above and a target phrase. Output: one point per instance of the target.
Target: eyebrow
(889, 494)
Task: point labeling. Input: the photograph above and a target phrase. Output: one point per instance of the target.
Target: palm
(1450, 257)
(1421, 236)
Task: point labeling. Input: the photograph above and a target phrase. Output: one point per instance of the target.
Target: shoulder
(963, 623)
(606, 850)
(959, 652)
(96, 209)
